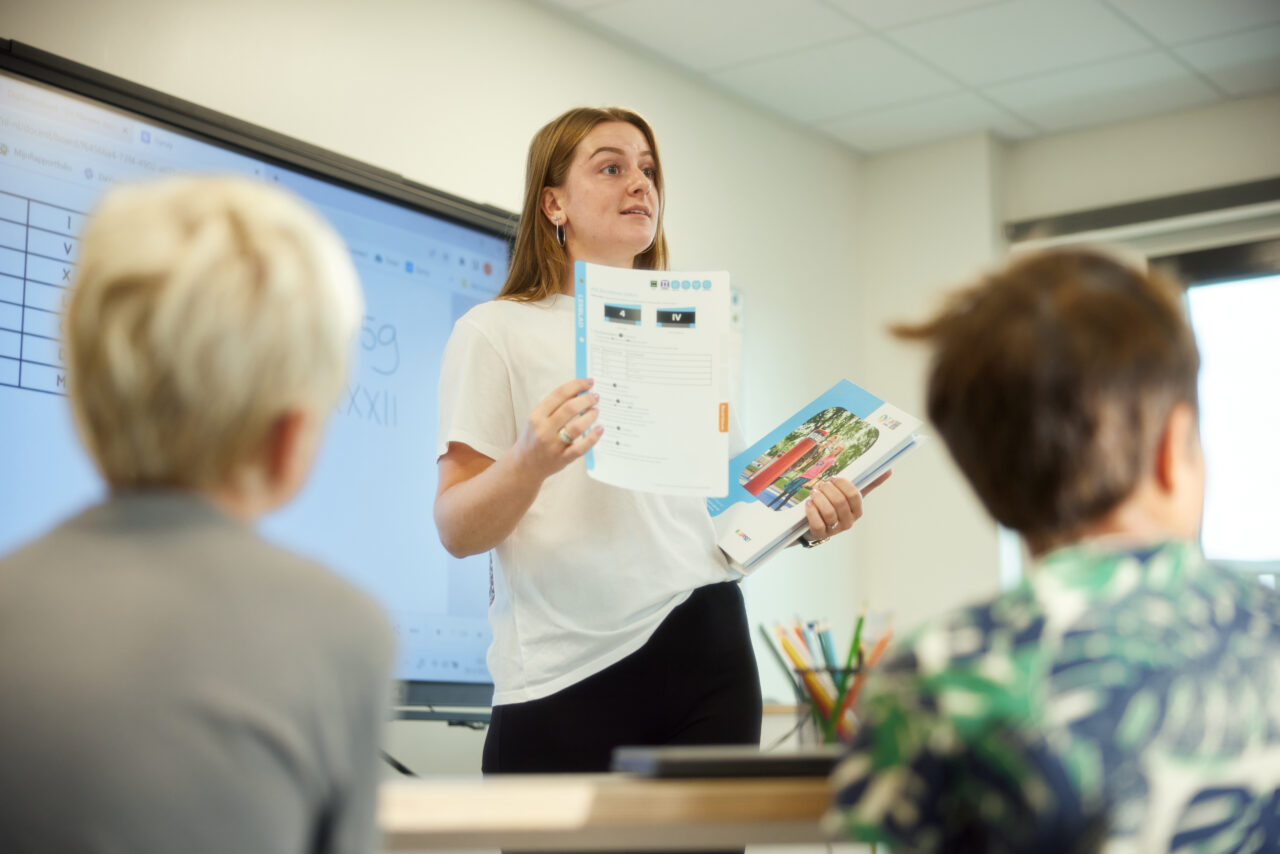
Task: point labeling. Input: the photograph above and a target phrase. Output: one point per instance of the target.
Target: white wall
(449, 94)
(1212, 146)
(927, 218)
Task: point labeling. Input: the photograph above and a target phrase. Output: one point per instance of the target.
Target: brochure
(846, 431)
(656, 343)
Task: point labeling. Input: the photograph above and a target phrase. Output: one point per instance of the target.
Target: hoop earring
(559, 233)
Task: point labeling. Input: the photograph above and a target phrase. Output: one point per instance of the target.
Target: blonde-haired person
(614, 617)
(171, 681)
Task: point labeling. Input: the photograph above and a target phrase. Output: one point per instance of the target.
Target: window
(1235, 323)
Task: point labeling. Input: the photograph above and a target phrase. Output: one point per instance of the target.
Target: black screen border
(413, 699)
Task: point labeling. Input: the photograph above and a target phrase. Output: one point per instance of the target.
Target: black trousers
(694, 682)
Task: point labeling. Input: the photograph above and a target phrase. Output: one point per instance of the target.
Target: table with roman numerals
(38, 252)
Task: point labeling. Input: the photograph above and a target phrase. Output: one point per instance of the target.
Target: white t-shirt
(590, 570)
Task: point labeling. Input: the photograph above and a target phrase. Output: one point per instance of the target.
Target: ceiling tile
(925, 121)
(879, 14)
(1011, 40)
(1108, 91)
(1242, 64)
(1175, 21)
(833, 80)
(709, 34)
(577, 5)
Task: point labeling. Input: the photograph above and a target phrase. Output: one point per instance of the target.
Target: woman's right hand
(568, 412)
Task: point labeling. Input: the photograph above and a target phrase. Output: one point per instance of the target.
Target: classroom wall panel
(1226, 143)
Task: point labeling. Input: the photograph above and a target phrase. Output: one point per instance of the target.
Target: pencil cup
(820, 694)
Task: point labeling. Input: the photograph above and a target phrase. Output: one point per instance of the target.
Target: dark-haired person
(613, 613)
(1126, 695)
(169, 681)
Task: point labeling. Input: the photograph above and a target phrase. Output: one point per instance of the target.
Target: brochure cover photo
(846, 431)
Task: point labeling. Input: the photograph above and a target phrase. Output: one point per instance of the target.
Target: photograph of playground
(815, 450)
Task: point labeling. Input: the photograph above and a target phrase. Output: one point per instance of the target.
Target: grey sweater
(170, 682)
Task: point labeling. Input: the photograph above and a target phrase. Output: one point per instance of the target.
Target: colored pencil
(823, 631)
(823, 699)
(853, 653)
(855, 644)
(877, 652)
(792, 678)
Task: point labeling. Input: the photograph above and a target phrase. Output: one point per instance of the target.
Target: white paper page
(656, 344)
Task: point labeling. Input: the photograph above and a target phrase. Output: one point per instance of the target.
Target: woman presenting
(615, 619)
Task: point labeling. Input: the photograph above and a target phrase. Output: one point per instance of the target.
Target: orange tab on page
(724, 418)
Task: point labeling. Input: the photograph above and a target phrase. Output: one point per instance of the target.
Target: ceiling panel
(1104, 92)
(879, 14)
(935, 118)
(835, 79)
(883, 73)
(1175, 21)
(706, 34)
(1243, 64)
(579, 5)
(1011, 40)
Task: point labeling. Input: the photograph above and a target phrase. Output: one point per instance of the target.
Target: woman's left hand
(834, 505)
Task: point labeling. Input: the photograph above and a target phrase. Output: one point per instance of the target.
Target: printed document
(656, 343)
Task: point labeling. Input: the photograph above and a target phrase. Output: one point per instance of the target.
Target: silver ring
(565, 437)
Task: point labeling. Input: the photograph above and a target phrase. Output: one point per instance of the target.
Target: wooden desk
(599, 812)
